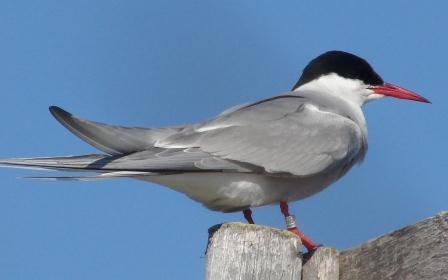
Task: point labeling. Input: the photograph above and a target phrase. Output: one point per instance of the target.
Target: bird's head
(349, 77)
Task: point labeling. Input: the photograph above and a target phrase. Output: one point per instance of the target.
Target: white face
(351, 90)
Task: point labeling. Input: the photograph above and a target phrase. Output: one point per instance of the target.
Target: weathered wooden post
(323, 265)
(242, 251)
(416, 252)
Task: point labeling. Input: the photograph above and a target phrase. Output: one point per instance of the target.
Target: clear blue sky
(157, 63)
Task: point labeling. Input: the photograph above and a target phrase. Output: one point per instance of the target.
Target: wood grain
(417, 252)
(323, 265)
(242, 251)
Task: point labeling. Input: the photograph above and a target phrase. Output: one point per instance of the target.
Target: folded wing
(284, 134)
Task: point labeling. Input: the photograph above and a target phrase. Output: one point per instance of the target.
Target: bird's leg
(248, 215)
(292, 227)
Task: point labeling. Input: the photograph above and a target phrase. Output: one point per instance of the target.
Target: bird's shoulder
(304, 108)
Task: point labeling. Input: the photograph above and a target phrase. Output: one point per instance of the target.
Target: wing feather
(155, 160)
(111, 139)
(287, 134)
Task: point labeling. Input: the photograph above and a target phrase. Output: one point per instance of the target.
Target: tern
(273, 151)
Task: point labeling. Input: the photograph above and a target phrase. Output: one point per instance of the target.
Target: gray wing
(283, 134)
(111, 139)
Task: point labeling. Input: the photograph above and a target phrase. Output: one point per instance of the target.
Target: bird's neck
(348, 90)
(340, 95)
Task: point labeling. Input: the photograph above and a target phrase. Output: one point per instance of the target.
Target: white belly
(236, 191)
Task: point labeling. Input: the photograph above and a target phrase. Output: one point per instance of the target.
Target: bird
(273, 151)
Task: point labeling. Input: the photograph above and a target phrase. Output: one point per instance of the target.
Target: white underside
(236, 191)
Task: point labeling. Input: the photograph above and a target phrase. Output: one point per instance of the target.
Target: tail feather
(109, 175)
(68, 163)
(113, 140)
(156, 161)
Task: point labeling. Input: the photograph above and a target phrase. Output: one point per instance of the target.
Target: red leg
(292, 227)
(248, 215)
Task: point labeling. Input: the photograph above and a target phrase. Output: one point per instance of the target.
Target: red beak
(398, 92)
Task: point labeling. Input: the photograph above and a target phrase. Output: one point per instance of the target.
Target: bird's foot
(292, 227)
(290, 224)
(310, 245)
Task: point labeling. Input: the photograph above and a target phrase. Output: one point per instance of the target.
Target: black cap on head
(342, 63)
